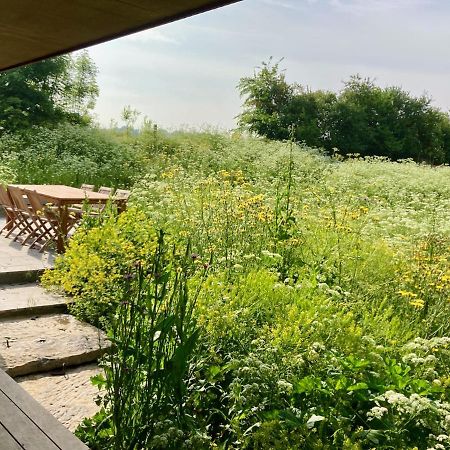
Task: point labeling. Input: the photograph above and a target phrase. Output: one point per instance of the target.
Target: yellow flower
(418, 303)
(406, 293)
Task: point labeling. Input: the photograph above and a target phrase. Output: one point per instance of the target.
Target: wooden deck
(26, 425)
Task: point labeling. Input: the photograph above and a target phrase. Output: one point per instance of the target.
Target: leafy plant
(153, 335)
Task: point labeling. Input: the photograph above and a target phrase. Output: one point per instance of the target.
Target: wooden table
(26, 425)
(62, 197)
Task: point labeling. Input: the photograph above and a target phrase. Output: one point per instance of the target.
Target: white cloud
(285, 4)
(374, 6)
(152, 35)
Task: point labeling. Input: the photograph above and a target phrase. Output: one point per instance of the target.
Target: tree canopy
(62, 88)
(362, 118)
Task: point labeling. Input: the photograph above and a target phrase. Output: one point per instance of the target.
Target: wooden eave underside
(31, 30)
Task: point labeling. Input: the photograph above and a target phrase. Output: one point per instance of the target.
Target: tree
(81, 90)
(271, 106)
(267, 96)
(48, 92)
(363, 118)
(308, 111)
(370, 120)
(129, 116)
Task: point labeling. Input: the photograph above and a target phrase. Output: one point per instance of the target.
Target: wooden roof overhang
(31, 30)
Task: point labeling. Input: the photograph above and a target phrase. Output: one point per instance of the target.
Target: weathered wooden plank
(56, 433)
(22, 428)
(7, 442)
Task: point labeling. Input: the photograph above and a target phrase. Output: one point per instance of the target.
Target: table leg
(63, 228)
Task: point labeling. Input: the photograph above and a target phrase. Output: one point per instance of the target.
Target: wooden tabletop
(64, 195)
(26, 425)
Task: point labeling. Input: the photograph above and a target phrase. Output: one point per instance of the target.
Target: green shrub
(70, 155)
(98, 257)
(7, 172)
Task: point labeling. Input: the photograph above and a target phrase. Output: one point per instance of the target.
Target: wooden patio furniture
(122, 194)
(46, 218)
(59, 199)
(24, 216)
(12, 220)
(105, 190)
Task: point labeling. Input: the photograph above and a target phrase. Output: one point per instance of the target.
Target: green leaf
(213, 371)
(98, 380)
(358, 387)
(307, 384)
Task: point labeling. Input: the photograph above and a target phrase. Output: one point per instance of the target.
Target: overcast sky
(185, 73)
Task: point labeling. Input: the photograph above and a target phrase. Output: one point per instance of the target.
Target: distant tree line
(362, 118)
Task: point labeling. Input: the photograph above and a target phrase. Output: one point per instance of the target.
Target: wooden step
(46, 343)
(25, 424)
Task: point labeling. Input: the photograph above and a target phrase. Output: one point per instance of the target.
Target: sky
(185, 74)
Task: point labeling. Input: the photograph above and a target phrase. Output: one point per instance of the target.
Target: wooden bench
(26, 425)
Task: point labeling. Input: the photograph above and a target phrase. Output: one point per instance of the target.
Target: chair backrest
(5, 198)
(87, 187)
(17, 197)
(122, 194)
(105, 190)
(35, 201)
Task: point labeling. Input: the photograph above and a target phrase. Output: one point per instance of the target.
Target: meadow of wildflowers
(322, 296)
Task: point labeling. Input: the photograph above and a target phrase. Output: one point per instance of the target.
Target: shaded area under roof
(31, 30)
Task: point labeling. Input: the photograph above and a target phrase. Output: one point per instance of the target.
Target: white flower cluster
(427, 356)
(441, 440)
(284, 386)
(415, 404)
(377, 412)
(271, 255)
(425, 412)
(420, 345)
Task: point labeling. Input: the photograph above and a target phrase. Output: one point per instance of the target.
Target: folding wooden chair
(50, 221)
(122, 194)
(96, 209)
(45, 222)
(4, 206)
(121, 197)
(28, 224)
(77, 207)
(105, 190)
(13, 222)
